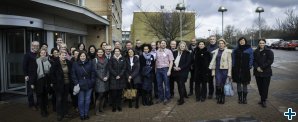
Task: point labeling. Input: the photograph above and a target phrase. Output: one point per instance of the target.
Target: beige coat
(225, 61)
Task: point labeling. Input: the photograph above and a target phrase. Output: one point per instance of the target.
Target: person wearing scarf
(147, 66)
(101, 83)
(242, 63)
(117, 68)
(43, 69)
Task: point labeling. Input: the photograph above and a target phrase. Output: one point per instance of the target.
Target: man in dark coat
(29, 68)
(211, 47)
(192, 47)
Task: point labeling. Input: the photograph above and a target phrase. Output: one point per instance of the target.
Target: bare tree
(166, 24)
(289, 26)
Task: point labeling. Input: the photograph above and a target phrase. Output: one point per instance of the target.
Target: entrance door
(14, 50)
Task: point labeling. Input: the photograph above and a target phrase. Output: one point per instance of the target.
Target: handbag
(84, 85)
(228, 89)
(130, 93)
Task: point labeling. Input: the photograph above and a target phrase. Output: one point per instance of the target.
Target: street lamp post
(180, 7)
(209, 32)
(222, 10)
(259, 10)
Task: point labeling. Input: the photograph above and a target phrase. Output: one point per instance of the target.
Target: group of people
(100, 75)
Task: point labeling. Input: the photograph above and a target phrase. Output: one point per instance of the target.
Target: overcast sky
(241, 13)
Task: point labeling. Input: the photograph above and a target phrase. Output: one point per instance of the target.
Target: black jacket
(30, 66)
(84, 74)
(57, 76)
(117, 68)
(201, 64)
(184, 64)
(192, 56)
(133, 71)
(242, 62)
(263, 59)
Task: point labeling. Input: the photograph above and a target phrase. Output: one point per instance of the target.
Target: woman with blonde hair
(221, 66)
(181, 67)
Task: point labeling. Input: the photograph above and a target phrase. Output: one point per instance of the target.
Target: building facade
(24, 21)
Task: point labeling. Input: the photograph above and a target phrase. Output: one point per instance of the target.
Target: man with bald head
(29, 69)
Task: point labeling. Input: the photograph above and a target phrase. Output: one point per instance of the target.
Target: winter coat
(117, 68)
(201, 64)
(144, 64)
(225, 61)
(133, 70)
(184, 64)
(42, 75)
(83, 73)
(102, 71)
(263, 59)
(57, 76)
(30, 66)
(242, 63)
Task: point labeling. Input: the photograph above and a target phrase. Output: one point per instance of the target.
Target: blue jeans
(84, 99)
(163, 79)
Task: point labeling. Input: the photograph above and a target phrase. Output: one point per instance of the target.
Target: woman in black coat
(61, 80)
(242, 63)
(83, 74)
(147, 66)
(263, 59)
(117, 68)
(202, 71)
(133, 75)
(181, 67)
(92, 52)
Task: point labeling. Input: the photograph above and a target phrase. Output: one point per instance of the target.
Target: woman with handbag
(61, 80)
(147, 66)
(221, 66)
(201, 70)
(242, 63)
(181, 67)
(83, 73)
(101, 83)
(133, 76)
(117, 68)
(263, 59)
(42, 81)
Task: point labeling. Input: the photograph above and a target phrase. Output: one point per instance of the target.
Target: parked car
(275, 45)
(288, 45)
(270, 41)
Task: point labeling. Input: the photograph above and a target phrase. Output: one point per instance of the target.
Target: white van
(270, 41)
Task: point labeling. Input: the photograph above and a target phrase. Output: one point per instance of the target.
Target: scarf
(117, 58)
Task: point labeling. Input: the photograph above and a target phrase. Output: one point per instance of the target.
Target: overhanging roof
(68, 10)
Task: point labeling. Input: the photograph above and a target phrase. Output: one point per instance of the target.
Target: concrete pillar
(50, 40)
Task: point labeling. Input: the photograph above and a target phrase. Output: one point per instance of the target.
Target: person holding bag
(117, 68)
(83, 73)
(61, 80)
(221, 66)
(43, 81)
(133, 76)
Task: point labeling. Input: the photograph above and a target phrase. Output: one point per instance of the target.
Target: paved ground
(283, 94)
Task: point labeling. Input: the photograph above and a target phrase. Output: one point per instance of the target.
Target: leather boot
(244, 100)
(240, 97)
